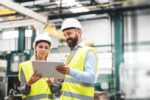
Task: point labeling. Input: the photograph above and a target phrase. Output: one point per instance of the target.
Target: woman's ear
(35, 50)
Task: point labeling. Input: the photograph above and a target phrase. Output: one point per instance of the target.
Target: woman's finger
(50, 81)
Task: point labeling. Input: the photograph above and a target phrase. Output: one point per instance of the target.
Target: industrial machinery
(14, 58)
(13, 84)
(3, 66)
(2, 79)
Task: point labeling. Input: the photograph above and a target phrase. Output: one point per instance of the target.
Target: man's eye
(69, 33)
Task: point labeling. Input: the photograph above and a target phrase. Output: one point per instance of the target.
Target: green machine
(14, 58)
(13, 84)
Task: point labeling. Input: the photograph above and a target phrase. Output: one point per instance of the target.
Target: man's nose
(67, 36)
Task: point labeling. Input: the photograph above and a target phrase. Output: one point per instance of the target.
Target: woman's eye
(40, 46)
(46, 47)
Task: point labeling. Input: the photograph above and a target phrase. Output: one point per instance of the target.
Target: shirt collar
(81, 44)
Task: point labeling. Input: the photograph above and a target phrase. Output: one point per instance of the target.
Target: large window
(136, 68)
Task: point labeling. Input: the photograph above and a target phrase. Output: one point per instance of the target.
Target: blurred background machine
(13, 84)
(117, 29)
(3, 81)
(9, 62)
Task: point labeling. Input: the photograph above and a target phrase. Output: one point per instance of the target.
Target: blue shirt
(88, 75)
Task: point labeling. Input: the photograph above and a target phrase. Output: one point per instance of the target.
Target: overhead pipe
(100, 11)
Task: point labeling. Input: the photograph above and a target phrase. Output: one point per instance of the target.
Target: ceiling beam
(24, 11)
(18, 23)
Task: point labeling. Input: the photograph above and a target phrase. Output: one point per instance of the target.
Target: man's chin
(70, 46)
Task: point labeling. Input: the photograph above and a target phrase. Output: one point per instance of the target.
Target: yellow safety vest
(73, 89)
(40, 89)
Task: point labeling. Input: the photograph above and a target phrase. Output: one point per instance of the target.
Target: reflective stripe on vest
(75, 95)
(71, 80)
(40, 96)
(39, 88)
(73, 89)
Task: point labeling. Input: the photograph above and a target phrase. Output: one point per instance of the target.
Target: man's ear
(79, 31)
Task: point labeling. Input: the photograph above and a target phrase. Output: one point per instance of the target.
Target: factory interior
(118, 29)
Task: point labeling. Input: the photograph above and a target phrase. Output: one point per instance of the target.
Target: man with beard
(80, 66)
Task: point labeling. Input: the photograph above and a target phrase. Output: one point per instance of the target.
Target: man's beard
(72, 42)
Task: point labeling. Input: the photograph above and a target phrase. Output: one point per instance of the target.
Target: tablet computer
(48, 69)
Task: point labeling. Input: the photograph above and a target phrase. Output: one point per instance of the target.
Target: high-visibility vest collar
(73, 89)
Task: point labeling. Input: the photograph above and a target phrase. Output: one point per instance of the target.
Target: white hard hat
(42, 37)
(71, 23)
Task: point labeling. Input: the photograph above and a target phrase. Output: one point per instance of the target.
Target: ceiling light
(102, 1)
(66, 3)
(30, 3)
(79, 9)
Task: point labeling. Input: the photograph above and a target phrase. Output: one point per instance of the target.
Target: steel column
(21, 38)
(118, 30)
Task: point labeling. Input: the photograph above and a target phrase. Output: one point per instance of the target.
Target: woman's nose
(43, 49)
